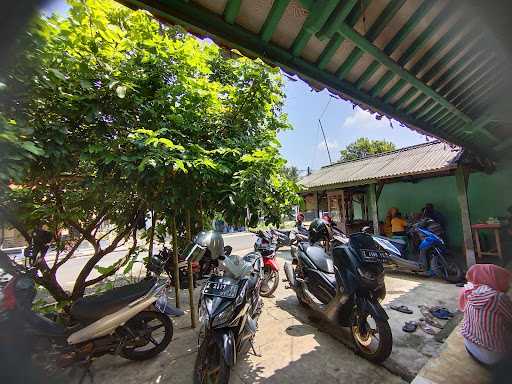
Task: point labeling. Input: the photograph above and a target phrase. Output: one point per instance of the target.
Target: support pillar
(461, 178)
(317, 205)
(373, 204)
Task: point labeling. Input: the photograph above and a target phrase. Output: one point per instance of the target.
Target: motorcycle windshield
(386, 245)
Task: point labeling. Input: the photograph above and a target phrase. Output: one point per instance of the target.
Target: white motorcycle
(131, 321)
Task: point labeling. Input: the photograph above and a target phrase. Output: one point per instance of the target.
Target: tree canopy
(122, 115)
(363, 147)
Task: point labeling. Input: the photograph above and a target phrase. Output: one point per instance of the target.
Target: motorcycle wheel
(210, 366)
(270, 282)
(153, 332)
(451, 271)
(375, 341)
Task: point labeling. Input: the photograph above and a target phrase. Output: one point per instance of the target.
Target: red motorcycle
(266, 245)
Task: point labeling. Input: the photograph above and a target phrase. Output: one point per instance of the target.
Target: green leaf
(85, 84)
(58, 74)
(121, 91)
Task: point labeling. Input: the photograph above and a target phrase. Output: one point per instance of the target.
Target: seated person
(387, 221)
(487, 324)
(398, 225)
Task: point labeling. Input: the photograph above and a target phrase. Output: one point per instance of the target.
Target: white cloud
(333, 144)
(363, 120)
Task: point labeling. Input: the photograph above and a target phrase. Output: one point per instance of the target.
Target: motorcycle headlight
(224, 316)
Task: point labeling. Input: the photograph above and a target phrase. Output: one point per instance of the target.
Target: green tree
(363, 147)
(129, 116)
(291, 172)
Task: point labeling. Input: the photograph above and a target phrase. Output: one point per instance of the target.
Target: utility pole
(325, 141)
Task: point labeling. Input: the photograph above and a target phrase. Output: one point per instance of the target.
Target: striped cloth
(488, 319)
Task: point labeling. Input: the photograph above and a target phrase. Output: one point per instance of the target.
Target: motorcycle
(229, 308)
(345, 286)
(267, 248)
(131, 321)
(281, 238)
(297, 236)
(430, 243)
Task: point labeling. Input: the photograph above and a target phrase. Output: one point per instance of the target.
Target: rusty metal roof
(432, 157)
(438, 66)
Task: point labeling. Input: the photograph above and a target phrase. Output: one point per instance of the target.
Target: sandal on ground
(426, 327)
(410, 326)
(401, 308)
(429, 318)
(441, 313)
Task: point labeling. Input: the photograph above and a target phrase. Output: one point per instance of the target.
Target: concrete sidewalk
(295, 348)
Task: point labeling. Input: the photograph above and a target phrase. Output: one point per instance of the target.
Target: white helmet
(211, 240)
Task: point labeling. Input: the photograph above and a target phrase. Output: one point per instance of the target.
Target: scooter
(131, 321)
(431, 244)
(345, 287)
(267, 248)
(229, 308)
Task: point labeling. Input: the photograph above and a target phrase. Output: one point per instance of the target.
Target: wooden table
(476, 228)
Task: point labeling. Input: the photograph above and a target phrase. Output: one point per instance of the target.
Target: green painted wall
(488, 195)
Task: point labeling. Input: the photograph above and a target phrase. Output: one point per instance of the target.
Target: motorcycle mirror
(227, 250)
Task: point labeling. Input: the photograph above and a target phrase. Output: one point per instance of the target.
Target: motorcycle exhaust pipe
(290, 274)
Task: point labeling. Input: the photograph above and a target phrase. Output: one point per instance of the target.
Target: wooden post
(190, 278)
(175, 260)
(373, 203)
(461, 179)
(152, 233)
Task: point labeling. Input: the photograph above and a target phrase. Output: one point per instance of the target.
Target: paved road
(241, 242)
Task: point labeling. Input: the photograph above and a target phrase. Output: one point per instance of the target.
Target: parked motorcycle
(266, 246)
(345, 287)
(405, 255)
(131, 321)
(297, 236)
(281, 238)
(229, 308)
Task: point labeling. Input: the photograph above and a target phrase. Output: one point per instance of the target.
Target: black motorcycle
(229, 309)
(346, 287)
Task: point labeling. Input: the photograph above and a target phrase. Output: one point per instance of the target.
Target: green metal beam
(476, 83)
(440, 117)
(329, 51)
(273, 17)
(337, 17)
(478, 90)
(473, 55)
(464, 75)
(315, 20)
(415, 103)
(479, 124)
(371, 49)
(425, 36)
(439, 111)
(440, 44)
(436, 48)
(357, 12)
(406, 97)
(231, 10)
(422, 39)
(385, 16)
(476, 77)
(377, 88)
(445, 60)
(397, 40)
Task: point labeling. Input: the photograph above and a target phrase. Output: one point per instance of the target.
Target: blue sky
(303, 146)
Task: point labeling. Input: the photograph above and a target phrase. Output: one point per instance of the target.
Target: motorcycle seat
(91, 308)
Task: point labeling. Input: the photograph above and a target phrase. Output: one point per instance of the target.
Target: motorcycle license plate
(373, 256)
(227, 291)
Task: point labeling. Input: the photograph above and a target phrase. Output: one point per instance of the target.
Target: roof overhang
(435, 66)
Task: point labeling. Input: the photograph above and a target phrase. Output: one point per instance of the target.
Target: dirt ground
(296, 348)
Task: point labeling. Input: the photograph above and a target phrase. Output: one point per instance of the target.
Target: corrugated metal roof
(418, 159)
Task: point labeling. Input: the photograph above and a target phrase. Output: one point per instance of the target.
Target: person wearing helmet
(319, 230)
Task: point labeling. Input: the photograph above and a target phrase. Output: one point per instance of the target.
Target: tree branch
(96, 280)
